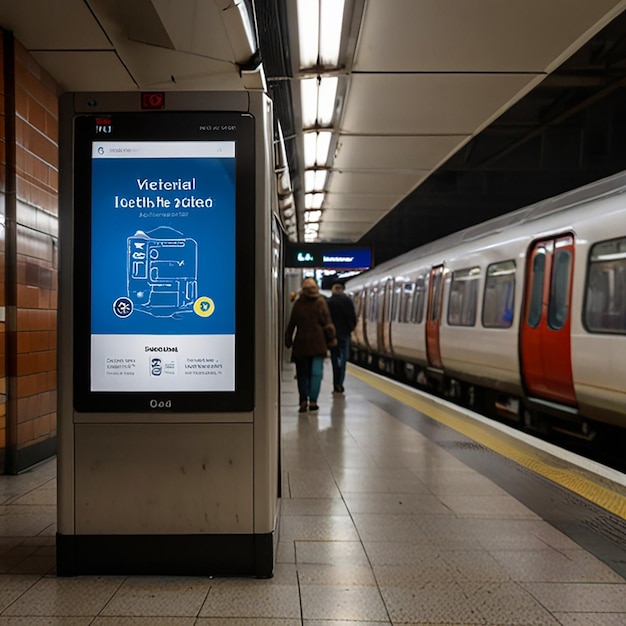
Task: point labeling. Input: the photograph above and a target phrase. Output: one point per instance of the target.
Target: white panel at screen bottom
(163, 363)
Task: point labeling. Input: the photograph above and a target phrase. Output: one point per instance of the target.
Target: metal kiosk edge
(164, 468)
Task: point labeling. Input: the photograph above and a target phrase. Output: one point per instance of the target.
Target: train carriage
(523, 316)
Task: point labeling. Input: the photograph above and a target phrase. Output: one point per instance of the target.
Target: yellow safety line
(605, 497)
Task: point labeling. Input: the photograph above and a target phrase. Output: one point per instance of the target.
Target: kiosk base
(174, 555)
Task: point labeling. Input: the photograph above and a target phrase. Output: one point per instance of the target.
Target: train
(521, 318)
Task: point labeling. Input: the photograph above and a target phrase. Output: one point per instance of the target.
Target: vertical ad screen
(163, 255)
(163, 266)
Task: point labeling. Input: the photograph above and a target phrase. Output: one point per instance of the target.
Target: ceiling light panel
(308, 32)
(331, 22)
(308, 98)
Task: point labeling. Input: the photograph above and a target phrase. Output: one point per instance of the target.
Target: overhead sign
(326, 256)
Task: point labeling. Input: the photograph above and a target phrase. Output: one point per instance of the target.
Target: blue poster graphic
(163, 246)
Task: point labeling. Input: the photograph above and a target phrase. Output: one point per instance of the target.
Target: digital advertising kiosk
(168, 403)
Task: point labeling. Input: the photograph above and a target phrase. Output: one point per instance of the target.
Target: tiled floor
(378, 525)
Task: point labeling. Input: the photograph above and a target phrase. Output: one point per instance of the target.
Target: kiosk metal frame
(168, 402)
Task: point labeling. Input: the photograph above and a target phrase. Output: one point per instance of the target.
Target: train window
(395, 302)
(463, 297)
(384, 305)
(499, 297)
(559, 289)
(373, 299)
(358, 304)
(605, 296)
(419, 300)
(436, 293)
(536, 294)
(406, 301)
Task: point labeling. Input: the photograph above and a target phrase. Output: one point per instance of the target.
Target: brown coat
(310, 318)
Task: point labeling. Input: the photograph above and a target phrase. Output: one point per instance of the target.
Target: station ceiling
(449, 112)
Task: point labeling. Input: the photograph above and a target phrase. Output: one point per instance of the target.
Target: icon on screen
(123, 307)
(204, 306)
(155, 367)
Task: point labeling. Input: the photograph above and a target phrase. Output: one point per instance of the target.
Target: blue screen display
(163, 266)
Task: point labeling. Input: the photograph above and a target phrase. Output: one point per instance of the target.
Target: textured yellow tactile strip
(597, 489)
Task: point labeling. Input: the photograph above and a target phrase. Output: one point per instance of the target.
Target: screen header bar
(162, 149)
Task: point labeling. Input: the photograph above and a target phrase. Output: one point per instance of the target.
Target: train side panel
(599, 358)
(470, 350)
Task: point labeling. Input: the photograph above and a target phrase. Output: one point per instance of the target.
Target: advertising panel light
(163, 215)
(163, 323)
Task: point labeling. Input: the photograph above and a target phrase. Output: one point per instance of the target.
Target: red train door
(433, 317)
(545, 340)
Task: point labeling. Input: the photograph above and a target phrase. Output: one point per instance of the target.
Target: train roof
(604, 188)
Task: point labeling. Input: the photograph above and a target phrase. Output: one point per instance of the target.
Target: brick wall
(31, 262)
(3, 380)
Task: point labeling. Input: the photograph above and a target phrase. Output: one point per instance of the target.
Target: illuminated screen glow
(162, 266)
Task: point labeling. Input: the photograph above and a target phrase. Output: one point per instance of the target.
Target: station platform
(396, 509)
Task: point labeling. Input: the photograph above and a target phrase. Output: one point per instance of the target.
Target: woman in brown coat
(315, 333)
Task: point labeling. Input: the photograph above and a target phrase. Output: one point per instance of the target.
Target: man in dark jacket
(315, 333)
(344, 319)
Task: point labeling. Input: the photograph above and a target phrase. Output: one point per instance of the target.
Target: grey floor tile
(158, 596)
(71, 597)
(25, 521)
(448, 533)
(33, 620)
(499, 534)
(432, 604)
(342, 622)
(312, 484)
(267, 601)
(461, 483)
(285, 551)
(36, 563)
(317, 527)
(475, 565)
(144, 621)
(12, 587)
(342, 603)
(377, 527)
(395, 504)
(507, 603)
(432, 570)
(487, 506)
(331, 552)
(238, 621)
(399, 553)
(556, 566)
(344, 574)
(8, 543)
(44, 495)
(313, 506)
(579, 597)
(591, 619)
(12, 558)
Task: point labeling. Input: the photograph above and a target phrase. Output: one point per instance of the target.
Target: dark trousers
(339, 357)
(309, 375)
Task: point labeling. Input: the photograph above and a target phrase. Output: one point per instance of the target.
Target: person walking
(344, 319)
(314, 334)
